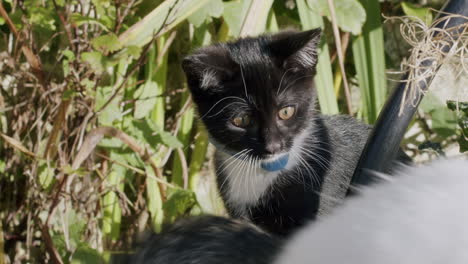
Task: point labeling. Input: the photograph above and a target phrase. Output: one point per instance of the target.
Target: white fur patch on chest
(246, 182)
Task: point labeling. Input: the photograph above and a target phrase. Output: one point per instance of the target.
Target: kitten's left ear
(208, 67)
(297, 50)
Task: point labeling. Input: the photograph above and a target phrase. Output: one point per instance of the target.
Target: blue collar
(277, 164)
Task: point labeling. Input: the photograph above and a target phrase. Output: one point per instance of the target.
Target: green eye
(241, 121)
(286, 112)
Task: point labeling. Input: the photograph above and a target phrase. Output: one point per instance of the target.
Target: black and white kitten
(279, 162)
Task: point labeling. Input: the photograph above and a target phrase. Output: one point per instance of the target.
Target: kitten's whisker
(241, 159)
(319, 159)
(297, 79)
(281, 81)
(241, 179)
(230, 158)
(226, 165)
(225, 108)
(299, 171)
(310, 170)
(219, 101)
(245, 85)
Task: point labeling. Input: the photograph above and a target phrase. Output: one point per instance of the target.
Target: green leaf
(60, 2)
(46, 173)
(234, 15)
(350, 15)
(80, 20)
(461, 110)
(112, 111)
(2, 166)
(112, 212)
(95, 60)
(458, 106)
(165, 137)
(42, 17)
(106, 43)
(145, 97)
(85, 254)
(68, 54)
(2, 21)
(369, 58)
(463, 142)
(444, 122)
(153, 200)
(214, 8)
(162, 19)
(324, 78)
(133, 51)
(423, 13)
(247, 17)
(179, 203)
(69, 94)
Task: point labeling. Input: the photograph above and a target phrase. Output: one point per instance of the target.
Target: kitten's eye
(286, 112)
(241, 121)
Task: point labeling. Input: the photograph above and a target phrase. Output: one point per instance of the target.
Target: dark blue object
(383, 144)
(277, 164)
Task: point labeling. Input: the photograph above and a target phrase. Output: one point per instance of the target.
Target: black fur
(208, 240)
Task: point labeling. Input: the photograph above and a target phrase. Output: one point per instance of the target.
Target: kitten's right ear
(297, 50)
(208, 67)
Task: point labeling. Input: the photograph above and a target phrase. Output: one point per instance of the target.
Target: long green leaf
(324, 77)
(255, 21)
(162, 19)
(186, 123)
(198, 157)
(201, 36)
(112, 213)
(153, 200)
(369, 58)
(247, 17)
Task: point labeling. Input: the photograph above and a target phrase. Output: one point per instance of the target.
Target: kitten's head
(255, 94)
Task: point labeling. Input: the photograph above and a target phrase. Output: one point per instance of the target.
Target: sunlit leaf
(165, 137)
(112, 111)
(179, 203)
(79, 20)
(212, 9)
(106, 43)
(423, 13)
(350, 15)
(85, 254)
(162, 19)
(46, 173)
(95, 60)
(145, 97)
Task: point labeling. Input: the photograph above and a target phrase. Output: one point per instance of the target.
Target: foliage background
(99, 140)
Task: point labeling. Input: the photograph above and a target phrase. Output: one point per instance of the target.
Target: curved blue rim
(277, 164)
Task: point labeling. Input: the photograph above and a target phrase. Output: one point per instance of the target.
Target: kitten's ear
(208, 67)
(297, 50)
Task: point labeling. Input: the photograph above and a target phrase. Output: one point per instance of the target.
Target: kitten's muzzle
(273, 147)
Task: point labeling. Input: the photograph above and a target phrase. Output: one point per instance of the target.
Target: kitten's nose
(273, 147)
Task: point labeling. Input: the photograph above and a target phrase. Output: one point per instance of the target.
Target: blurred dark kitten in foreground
(209, 240)
(279, 162)
(418, 217)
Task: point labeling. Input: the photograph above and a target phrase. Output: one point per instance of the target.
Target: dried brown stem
(340, 53)
(32, 59)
